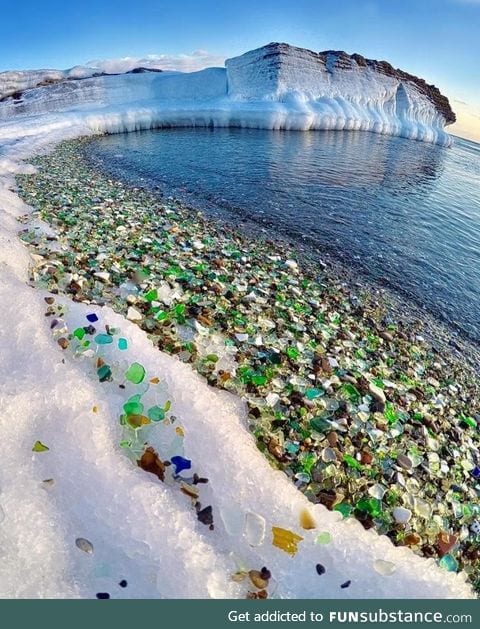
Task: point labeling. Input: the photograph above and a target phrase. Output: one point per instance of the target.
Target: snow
(292, 92)
(304, 95)
(143, 530)
(16, 81)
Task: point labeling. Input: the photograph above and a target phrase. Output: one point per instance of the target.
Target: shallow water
(406, 213)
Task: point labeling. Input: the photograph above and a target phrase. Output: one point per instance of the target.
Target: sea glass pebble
(92, 317)
(307, 521)
(104, 373)
(103, 339)
(323, 538)
(132, 407)
(285, 540)
(156, 414)
(39, 447)
(84, 544)
(449, 563)
(385, 568)
(180, 464)
(135, 373)
(122, 344)
(254, 528)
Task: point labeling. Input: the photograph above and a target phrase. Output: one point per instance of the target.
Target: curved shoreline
(303, 403)
(441, 332)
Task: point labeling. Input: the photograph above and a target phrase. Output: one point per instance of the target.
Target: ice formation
(140, 529)
(274, 87)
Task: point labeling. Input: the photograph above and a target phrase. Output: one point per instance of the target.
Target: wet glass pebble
(320, 569)
(123, 583)
(302, 477)
(449, 563)
(404, 461)
(344, 508)
(312, 394)
(103, 595)
(372, 506)
(401, 515)
(92, 317)
(328, 455)
(346, 584)
(377, 491)
(122, 344)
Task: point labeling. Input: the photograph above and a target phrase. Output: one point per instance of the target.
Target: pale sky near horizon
(438, 40)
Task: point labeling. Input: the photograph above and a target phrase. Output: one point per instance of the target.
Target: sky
(438, 40)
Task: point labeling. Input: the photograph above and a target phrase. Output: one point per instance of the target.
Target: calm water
(404, 212)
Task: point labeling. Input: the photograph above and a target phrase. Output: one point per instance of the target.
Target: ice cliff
(334, 90)
(277, 86)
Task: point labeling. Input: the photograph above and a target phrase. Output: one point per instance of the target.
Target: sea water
(405, 213)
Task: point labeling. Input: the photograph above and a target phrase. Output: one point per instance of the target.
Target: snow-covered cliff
(274, 87)
(334, 90)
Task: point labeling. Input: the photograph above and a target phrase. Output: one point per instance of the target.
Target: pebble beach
(370, 410)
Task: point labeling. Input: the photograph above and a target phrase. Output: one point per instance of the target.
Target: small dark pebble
(103, 595)
(197, 479)
(321, 570)
(89, 329)
(265, 574)
(205, 516)
(345, 585)
(123, 583)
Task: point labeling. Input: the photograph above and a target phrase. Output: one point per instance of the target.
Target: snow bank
(142, 530)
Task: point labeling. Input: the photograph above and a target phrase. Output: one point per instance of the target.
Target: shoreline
(441, 333)
(334, 427)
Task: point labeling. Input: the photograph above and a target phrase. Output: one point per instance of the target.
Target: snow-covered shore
(144, 531)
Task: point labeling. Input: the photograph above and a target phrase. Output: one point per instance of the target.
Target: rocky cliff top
(340, 60)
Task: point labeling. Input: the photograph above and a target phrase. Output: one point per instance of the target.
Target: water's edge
(441, 332)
